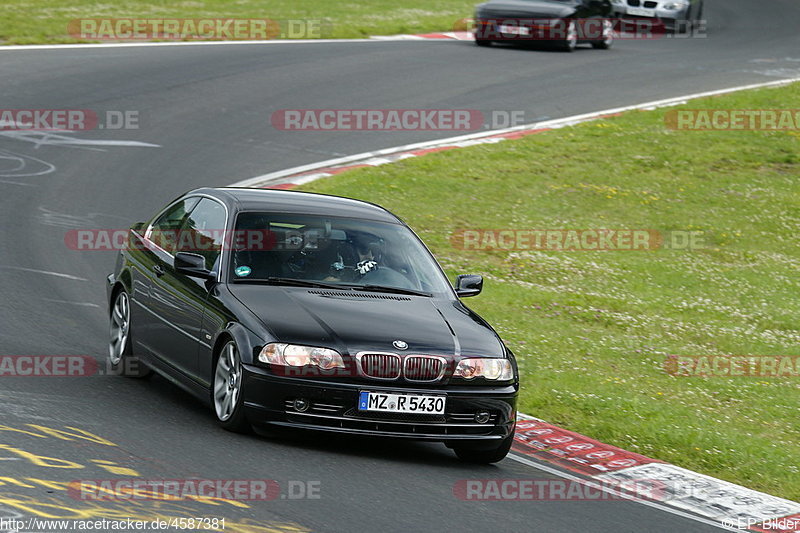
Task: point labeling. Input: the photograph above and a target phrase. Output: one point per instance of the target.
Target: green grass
(45, 21)
(591, 330)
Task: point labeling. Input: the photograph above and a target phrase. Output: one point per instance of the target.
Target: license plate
(641, 12)
(400, 403)
(514, 30)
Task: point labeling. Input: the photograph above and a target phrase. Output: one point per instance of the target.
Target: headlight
(674, 6)
(490, 368)
(278, 353)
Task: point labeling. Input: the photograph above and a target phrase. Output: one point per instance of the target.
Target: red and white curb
(680, 491)
(443, 36)
(293, 177)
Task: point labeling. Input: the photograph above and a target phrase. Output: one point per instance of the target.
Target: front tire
(483, 42)
(684, 27)
(471, 454)
(120, 345)
(226, 393)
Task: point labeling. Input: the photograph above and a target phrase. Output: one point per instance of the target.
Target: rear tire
(120, 345)
(571, 38)
(470, 454)
(483, 42)
(608, 37)
(227, 398)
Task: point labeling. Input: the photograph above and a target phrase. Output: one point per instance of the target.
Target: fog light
(481, 417)
(301, 405)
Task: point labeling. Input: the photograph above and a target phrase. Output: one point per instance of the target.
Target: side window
(203, 231)
(164, 231)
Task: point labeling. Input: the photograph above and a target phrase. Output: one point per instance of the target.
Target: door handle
(159, 270)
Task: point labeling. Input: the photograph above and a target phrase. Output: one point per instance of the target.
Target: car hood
(355, 321)
(525, 8)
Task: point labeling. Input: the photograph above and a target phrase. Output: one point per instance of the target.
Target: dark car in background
(314, 312)
(561, 23)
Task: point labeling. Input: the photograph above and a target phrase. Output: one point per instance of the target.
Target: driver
(368, 255)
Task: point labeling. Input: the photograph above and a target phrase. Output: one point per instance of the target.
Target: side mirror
(469, 285)
(193, 265)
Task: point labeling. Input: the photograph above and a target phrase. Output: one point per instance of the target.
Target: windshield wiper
(293, 282)
(396, 290)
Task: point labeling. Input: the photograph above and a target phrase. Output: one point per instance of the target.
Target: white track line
(45, 272)
(548, 124)
(392, 38)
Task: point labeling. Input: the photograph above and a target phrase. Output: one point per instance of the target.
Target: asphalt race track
(205, 120)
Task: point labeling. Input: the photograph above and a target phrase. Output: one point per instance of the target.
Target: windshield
(340, 252)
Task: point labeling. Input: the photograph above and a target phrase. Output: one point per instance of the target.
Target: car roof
(283, 201)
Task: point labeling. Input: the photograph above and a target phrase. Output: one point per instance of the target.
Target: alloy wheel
(227, 382)
(120, 328)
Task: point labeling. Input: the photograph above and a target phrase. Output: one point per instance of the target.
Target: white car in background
(675, 15)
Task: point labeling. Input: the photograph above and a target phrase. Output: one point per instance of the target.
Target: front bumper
(661, 18)
(529, 30)
(269, 400)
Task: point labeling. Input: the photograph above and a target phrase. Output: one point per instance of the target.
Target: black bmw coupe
(561, 23)
(310, 311)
